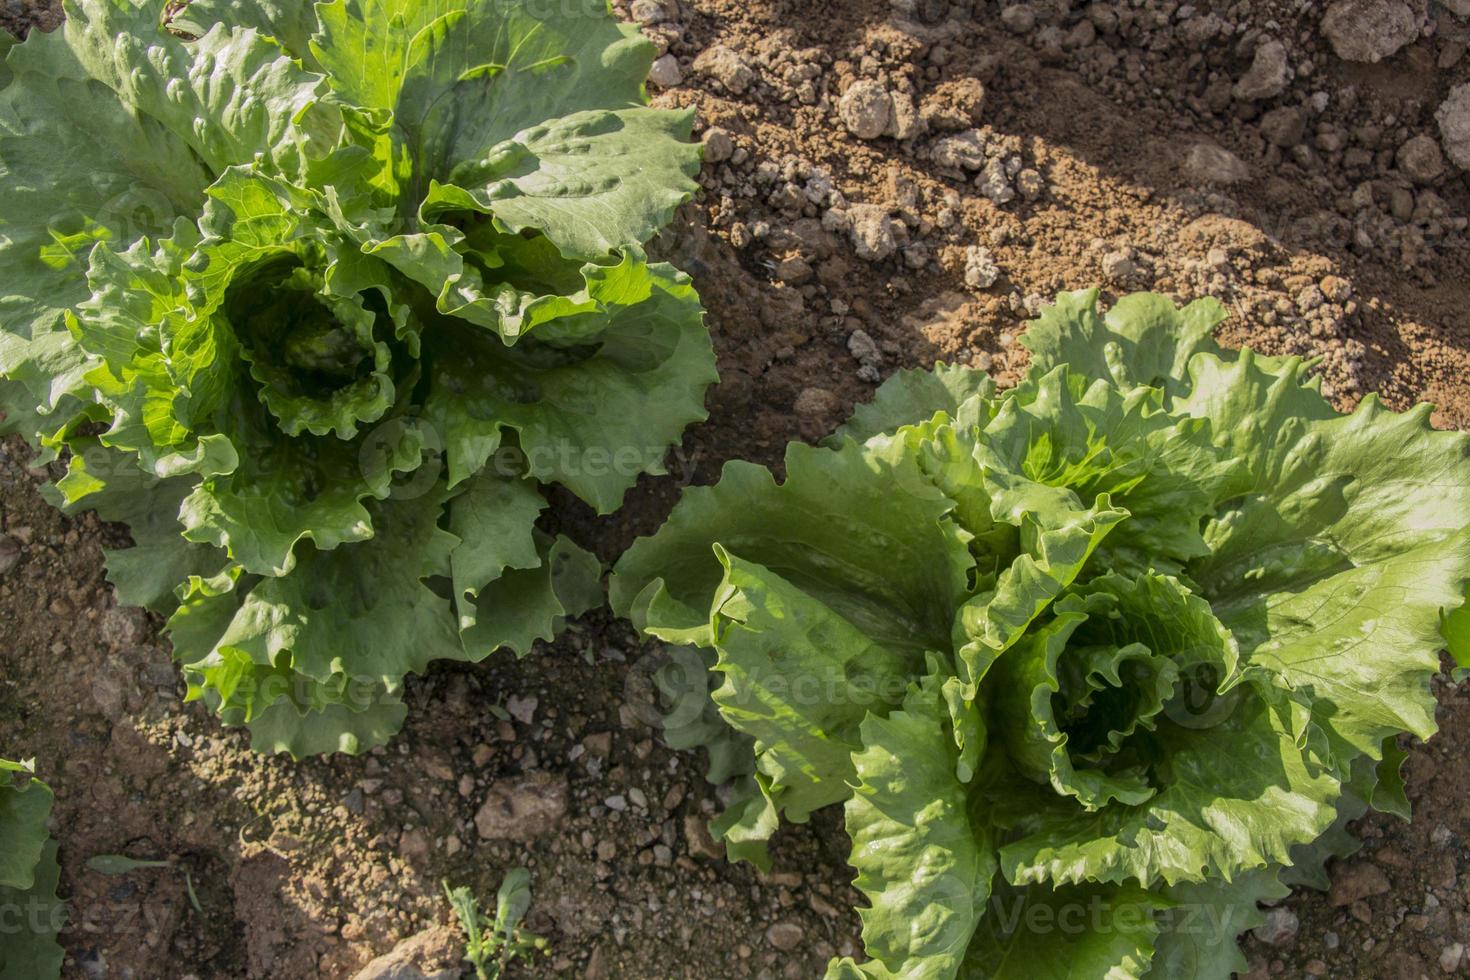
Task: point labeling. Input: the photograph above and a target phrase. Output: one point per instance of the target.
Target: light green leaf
(1143, 340)
(909, 397)
(924, 867)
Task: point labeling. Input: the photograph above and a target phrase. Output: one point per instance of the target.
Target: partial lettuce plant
(30, 913)
(1094, 665)
(316, 299)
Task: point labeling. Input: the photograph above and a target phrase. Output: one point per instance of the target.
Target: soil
(1116, 149)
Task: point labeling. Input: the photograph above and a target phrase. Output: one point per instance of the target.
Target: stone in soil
(431, 955)
(872, 232)
(1279, 929)
(1356, 881)
(523, 807)
(1212, 164)
(1369, 30)
(1454, 125)
(1267, 76)
(666, 72)
(866, 109)
(727, 67)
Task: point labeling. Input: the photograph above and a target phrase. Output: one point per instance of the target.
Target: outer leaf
(859, 530)
(1086, 931)
(25, 805)
(1142, 340)
(1197, 932)
(799, 679)
(1334, 571)
(912, 396)
(925, 869)
(32, 952)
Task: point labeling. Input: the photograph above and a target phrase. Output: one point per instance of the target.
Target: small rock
(995, 183)
(1279, 929)
(9, 553)
(697, 836)
(1212, 164)
(1309, 299)
(1019, 18)
(794, 271)
(718, 145)
(1031, 184)
(617, 803)
(431, 955)
(784, 935)
(1119, 265)
(523, 808)
(981, 272)
(648, 12)
(1460, 8)
(1314, 968)
(123, 626)
(413, 845)
(1356, 881)
(725, 66)
(521, 709)
(1267, 76)
(872, 232)
(816, 403)
(1421, 160)
(963, 152)
(863, 348)
(1284, 126)
(1454, 125)
(1369, 30)
(1451, 956)
(866, 109)
(905, 123)
(665, 72)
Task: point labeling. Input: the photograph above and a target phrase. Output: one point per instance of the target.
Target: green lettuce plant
(1094, 665)
(30, 913)
(316, 299)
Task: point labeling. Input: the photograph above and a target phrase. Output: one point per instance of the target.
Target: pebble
(965, 151)
(995, 183)
(981, 272)
(699, 841)
(1267, 76)
(523, 807)
(1357, 881)
(1454, 125)
(429, 955)
(1421, 160)
(872, 232)
(648, 12)
(522, 709)
(1284, 126)
(1019, 18)
(665, 72)
(1451, 957)
(816, 403)
(1369, 30)
(866, 109)
(1279, 929)
(863, 348)
(1119, 265)
(727, 67)
(784, 935)
(617, 802)
(1212, 164)
(719, 146)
